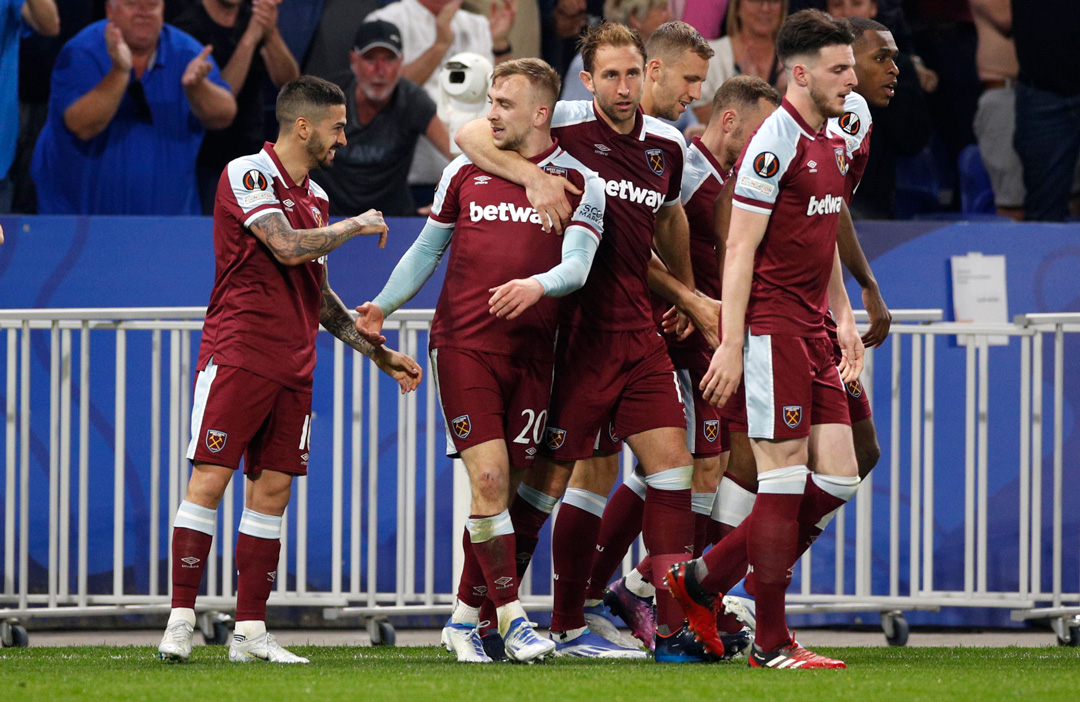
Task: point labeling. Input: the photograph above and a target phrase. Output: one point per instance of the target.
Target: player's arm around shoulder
(337, 320)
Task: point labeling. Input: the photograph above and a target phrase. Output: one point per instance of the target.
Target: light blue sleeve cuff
(415, 267)
(578, 251)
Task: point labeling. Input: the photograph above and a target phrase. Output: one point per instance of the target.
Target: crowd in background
(135, 106)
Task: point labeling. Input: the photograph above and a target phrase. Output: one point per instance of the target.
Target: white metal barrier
(69, 335)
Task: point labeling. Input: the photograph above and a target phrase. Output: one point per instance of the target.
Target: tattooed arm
(295, 246)
(337, 320)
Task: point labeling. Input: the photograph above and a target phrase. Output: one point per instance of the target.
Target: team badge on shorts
(462, 426)
(854, 388)
(554, 438)
(655, 157)
(792, 415)
(766, 164)
(611, 431)
(841, 160)
(711, 429)
(215, 440)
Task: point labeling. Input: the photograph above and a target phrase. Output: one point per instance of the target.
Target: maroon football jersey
(703, 179)
(642, 172)
(799, 178)
(263, 315)
(498, 238)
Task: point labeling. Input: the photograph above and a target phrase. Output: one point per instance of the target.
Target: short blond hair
(541, 77)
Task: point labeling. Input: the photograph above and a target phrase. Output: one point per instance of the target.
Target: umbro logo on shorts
(271, 576)
(555, 437)
(854, 388)
(215, 440)
(462, 426)
(711, 429)
(792, 415)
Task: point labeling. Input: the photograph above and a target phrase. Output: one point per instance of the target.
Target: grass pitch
(431, 675)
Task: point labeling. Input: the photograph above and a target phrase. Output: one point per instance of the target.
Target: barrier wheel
(1069, 636)
(13, 634)
(215, 628)
(381, 632)
(896, 628)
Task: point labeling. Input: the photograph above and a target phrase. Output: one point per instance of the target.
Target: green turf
(430, 675)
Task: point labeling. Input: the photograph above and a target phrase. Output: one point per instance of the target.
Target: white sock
(249, 629)
(592, 603)
(464, 614)
(508, 613)
(638, 585)
(564, 636)
(185, 614)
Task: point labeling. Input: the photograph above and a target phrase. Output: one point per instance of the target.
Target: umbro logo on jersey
(812, 165)
(830, 204)
(191, 562)
(481, 180)
(792, 415)
(287, 202)
(766, 164)
(601, 149)
(850, 123)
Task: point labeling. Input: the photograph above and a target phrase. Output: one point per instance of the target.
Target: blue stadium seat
(917, 185)
(976, 195)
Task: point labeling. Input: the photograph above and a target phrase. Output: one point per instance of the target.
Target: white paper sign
(979, 292)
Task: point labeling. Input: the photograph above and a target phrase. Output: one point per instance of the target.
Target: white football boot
(463, 640)
(523, 644)
(176, 643)
(264, 647)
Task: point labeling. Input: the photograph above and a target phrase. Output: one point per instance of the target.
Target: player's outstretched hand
(198, 68)
(369, 324)
(400, 367)
(509, 300)
(880, 318)
(725, 372)
(851, 350)
(372, 222)
(705, 314)
(547, 195)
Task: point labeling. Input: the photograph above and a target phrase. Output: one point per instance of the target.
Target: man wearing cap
(386, 116)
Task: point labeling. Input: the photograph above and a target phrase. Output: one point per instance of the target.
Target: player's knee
(867, 454)
(490, 486)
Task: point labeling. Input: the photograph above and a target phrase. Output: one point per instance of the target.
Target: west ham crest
(792, 415)
(462, 426)
(841, 160)
(711, 429)
(655, 158)
(854, 388)
(555, 438)
(215, 440)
